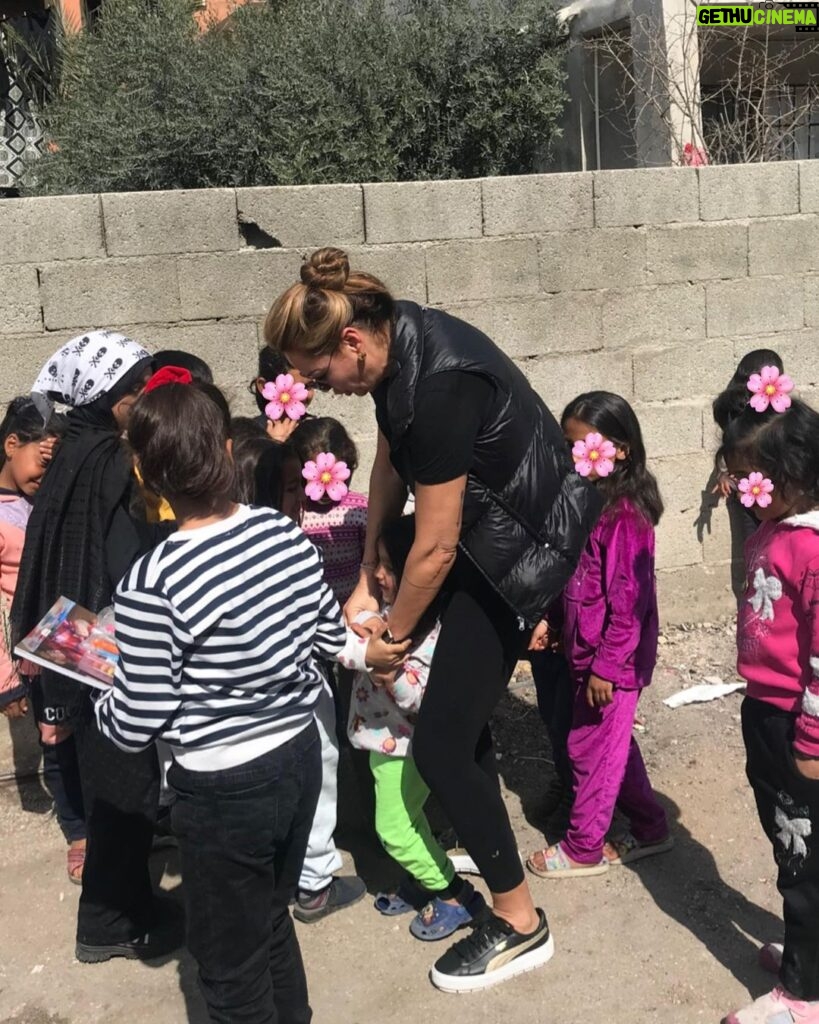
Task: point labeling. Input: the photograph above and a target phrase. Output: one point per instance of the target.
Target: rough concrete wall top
(651, 283)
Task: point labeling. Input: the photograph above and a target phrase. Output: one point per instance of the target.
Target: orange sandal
(76, 863)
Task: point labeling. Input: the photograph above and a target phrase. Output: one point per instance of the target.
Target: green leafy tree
(303, 92)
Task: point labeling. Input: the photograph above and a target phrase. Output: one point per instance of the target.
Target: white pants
(322, 858)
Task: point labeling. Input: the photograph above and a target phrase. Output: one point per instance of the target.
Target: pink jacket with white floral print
(778, 622)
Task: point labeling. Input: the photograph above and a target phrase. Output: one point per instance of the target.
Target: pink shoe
(776, 1007)
(770, 957)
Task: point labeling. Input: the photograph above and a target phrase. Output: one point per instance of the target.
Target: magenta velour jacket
(610, 621)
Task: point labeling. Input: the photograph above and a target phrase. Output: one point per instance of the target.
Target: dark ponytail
(24, 421)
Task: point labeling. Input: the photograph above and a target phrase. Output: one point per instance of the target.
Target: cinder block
(737, 191)
(722, 534)
(559, 379)
(96, 293)
(420, 211)
(234, 284)
(673, 428)
(654, 316)
(357, 414)
(711, 434)
(683, 371)
(402, 268)
(486, 269)
(568, 322)
(50, 228)
(696, 252)
(682, 479)
(229, 347)
(755, 305)
(596, 258)
(21, 358)
(783, 246)
(799, 351)
(809, 186)
(20, 299)
(811, 295)
(695, 594)
(521, 204)
(145, 223)
(309, 215)
(657, 195)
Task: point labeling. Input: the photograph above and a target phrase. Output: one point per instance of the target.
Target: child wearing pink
(338, 529)
(773, 458)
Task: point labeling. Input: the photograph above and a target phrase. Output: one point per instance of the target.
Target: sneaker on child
(776, 1007)
(343, 891)
(491, 954)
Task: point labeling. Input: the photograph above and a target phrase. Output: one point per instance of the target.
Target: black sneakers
(343, 891)
(493, 953)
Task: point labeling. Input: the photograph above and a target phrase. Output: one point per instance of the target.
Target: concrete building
(648, 88)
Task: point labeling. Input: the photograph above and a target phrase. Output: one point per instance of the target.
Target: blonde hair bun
(326, 268)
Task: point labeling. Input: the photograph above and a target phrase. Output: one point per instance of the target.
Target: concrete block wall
(651, 283)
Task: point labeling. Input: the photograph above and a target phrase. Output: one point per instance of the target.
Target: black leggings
(474, 659)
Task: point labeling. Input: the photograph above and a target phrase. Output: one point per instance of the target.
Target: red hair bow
(168, 375)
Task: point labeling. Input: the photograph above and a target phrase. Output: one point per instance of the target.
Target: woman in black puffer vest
(501, 519)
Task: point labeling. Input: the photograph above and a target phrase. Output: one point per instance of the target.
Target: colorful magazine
(75, 642)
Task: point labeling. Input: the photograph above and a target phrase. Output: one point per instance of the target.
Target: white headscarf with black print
(85, 368)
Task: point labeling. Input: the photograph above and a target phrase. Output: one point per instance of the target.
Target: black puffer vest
(526, 537)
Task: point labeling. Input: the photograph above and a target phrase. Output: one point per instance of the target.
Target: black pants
(61, 770)
(121, 796)
(555, 702)
(242, 838)
(474, 659)
(788, 806)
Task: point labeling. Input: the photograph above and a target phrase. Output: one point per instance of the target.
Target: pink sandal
(75, 864)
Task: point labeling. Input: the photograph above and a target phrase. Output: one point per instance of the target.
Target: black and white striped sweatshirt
(218, 629)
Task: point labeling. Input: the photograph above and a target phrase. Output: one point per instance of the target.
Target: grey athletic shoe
(343, 891)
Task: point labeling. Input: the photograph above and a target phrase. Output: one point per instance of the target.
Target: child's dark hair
(397, 537)
(25, 421)
(259, 463)
(324, 434)
(179, 433)
(196, 367)
(782, 446)
(243, 427)
(271, 364)
(613, 417)
(731, 402)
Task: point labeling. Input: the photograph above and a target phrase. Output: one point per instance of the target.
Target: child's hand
(365, 598)
(598, 692)
(385, 679)
(15, 708)
(725, 485)
(46, 449)
(281, 430)
(807, 766)
(540, 639)
(384, 657)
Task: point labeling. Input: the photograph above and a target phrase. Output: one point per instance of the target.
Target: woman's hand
(599, 693)
(15, 708)
(46, 449)
(281, 430)
(807, 766)
(365, 598)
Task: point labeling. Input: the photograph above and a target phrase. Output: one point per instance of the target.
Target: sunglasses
(318, 383)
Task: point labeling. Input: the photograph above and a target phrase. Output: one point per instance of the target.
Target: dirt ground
(671, 940)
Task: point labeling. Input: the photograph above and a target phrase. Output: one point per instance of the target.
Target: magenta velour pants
(608, 771)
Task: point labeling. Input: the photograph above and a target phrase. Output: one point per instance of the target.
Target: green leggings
(402, 826)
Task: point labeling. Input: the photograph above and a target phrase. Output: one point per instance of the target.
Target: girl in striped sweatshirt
(219, 630)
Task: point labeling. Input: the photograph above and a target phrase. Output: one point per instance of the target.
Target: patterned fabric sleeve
(806, 734)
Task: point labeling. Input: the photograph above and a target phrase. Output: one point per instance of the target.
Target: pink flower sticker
(594, 453)
(325, 476)
(770, 387)
(284, 398)
(755, 489)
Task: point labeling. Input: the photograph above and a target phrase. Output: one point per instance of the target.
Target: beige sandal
(555, 864)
